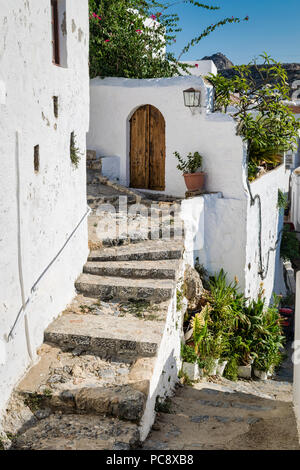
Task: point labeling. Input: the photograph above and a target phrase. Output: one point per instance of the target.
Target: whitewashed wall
(225, 226)
(267, 188)
(224, 233)
(52, 201)
(295, 198)
(296, 357)
(201, 67)
(114, 100)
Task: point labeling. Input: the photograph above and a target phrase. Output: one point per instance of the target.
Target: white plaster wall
(52, 201)
(272, 222)
(204, 67)
(215, 233)
(296, 357)
(113, 101)
(168, 361)
(295, 198)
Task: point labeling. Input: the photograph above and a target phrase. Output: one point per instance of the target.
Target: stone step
(123, 337)
(79, 432)
(85, 383)
(164, 269)
(107, 288)
(151, 250)
(126, 402)
(173, 234)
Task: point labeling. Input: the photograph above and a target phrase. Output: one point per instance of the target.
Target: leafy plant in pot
(189, 165)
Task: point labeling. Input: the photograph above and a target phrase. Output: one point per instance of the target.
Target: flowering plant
(130, 38)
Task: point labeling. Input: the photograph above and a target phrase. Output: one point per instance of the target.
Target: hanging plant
(75, 154)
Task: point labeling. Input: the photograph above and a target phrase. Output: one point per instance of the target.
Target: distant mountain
(292, 70)
(220, 60)
(224, 66)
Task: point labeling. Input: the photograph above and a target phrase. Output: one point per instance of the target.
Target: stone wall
(39, 209)
(297, 352)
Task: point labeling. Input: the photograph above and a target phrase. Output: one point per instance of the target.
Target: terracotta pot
(194, 181)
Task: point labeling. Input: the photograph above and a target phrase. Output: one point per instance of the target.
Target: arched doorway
(147, 149)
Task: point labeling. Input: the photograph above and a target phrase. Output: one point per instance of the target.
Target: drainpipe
(20, 258)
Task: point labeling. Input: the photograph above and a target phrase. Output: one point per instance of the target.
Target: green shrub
(289, 248)
(190, 164)
(188, 354)
(231, 327)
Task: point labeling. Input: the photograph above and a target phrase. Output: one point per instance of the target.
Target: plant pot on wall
(262, 374)
(244, 372)
(221, 367)
(194, 181)
(191, 370)
(191, 168)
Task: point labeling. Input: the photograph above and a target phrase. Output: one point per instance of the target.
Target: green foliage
(188, 354)
(163, 405)
(204, 276)
(231, 369)
(128, 38)
(289, 248)
(179, 300)
(190, 164)
(74, 151)
(282, 202)
(253, 171)
(35, 401)
(231, 327)
(288, 300)
(264, 120)
(268, 339)
(184, 378)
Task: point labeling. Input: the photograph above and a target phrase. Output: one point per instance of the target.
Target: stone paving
(222, 415)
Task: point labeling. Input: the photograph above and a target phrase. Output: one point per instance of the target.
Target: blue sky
(273, 26)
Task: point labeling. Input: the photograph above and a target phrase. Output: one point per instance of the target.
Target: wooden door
(147, 149)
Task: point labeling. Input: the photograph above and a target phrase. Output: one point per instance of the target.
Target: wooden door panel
(157, 150)
(147, 149)
(139, 148)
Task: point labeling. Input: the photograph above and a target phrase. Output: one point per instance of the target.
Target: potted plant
(190, 365)
(190, 166)
(269, 343)
(242, 348)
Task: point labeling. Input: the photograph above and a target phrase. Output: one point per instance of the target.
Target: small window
(55, 106)
(36, 158)
(55, 32)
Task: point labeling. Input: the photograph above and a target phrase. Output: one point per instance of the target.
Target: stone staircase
(109, 356)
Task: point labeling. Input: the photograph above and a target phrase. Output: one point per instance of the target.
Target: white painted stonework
(296, 358)
(223, 226)
(272, 223)
(224, 233)
(113, 102)
(39, 210)
(168, 361)
(201, 68)
(295, 198)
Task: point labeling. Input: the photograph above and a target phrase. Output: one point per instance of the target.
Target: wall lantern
(192, 98)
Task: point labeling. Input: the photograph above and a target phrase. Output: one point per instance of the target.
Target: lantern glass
(192, 98)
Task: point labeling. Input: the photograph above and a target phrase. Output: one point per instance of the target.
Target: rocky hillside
(224, 66)
(220, 60)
